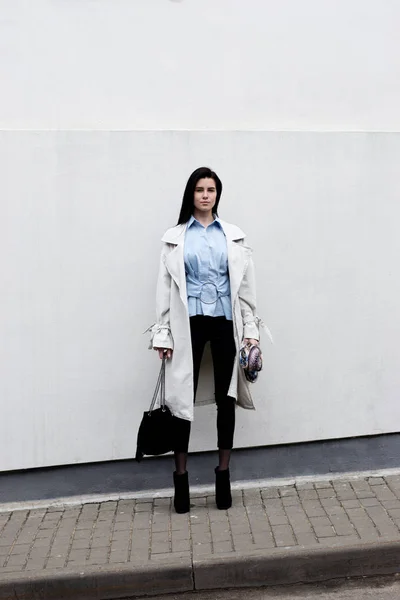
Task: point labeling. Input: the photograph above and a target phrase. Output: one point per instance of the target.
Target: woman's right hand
(162, 351)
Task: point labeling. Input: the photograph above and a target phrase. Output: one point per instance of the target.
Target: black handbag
(155, 435)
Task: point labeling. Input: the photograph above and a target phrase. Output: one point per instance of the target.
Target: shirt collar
(193, 220)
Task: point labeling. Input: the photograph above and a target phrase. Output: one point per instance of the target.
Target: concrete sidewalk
(272, 535)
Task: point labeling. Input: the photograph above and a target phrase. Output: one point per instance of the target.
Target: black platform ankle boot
(223, 496)
(181, 496)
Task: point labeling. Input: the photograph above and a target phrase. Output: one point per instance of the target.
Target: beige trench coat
(172, 328)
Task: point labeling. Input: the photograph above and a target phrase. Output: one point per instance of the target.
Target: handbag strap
(159, 385)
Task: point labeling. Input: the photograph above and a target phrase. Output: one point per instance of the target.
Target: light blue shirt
(206, 267)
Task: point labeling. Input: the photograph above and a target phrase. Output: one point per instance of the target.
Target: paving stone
(278, 519)
(196, 518)
(110, 505)
(85, 526)
(394, 513)
(283, 535)
(351, 503)
(36, 552)
(142, 517)
(42, 543)
(169, 555)
(363, 524)
(375, 480)
(55, 563)
(120, 545)
(80, 544)
(123, 521)
(252, 497)
(220, 534)
(99, 553)
(273, 504)
(96, 561)
(313, 508)
(126, 504)
(158, 547)
(143, 507)
(118, 555)
(221, 547)
(243, 542)
(369, 502)
(390, 504)
(322, 531)
(240, 528)
(264, 539)
(365, 494)
(20, 515)
(337, 541)
(308, 495)
(106, 517)
(291, 501)
(331, 505)
(13, 570)
(382, 522)
(181, 524)
(221, 515)
(17, 560)
(287, 491)
(70, 513)
(180, 535)
(269, 493)
(160, 526)
(320, 485)
(304, 486)
(326, 493)
(237, 497)
(320, 521)
(306, 539)
(322, 526)
(35, 564)
(202, 501)
(200, 549)
(63, 531)
(162, 502)
(299, 521)
(202, 537)
(195, 527)
(342, 524)
(140, 542)
(6, 541)
(360, 484)
(78, 554)
(181, 545)
(344, 491)
(21, 549)
(362, 489)
(383, 492)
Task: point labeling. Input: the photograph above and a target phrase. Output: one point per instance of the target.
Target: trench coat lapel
(238, 256)
(175, 259)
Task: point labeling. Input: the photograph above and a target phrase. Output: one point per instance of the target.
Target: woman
(205, 292)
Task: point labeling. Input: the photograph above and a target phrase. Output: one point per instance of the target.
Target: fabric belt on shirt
(208, 292)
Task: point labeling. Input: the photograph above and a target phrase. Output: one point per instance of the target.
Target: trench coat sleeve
(247, 300)
(161, 336)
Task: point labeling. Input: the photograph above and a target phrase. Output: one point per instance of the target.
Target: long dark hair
(188, 195)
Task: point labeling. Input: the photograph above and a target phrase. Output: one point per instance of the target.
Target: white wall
(82, 211)
(200, 64)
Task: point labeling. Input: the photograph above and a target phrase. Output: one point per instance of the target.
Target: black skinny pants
(219, 332)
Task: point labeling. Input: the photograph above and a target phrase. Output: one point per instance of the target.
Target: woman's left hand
(251, 341)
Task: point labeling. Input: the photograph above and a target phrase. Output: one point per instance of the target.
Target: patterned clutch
(250, 358)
